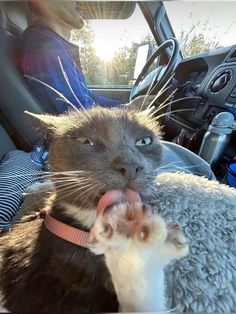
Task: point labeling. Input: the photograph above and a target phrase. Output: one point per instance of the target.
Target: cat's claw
(176, 242)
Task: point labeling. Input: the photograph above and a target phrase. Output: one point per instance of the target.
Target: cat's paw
(120, 225)
(176, 244)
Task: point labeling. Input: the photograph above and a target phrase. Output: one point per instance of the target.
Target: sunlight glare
(105, 50)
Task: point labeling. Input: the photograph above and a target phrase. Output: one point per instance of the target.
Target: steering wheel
(161, 74)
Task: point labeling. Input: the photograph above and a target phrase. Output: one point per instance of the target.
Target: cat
(91, 152)
(137, 246)
(100, 150)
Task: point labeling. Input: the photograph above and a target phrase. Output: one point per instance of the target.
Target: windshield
(108, 49)
(200, 26)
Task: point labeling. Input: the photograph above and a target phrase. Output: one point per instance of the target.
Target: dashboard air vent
(231, 56)
(220, 81)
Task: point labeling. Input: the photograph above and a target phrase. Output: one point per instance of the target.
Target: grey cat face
(103, 149)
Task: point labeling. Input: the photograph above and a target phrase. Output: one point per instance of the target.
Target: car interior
(211, 78)
(14, 94)
(191, 92)
(205, 84)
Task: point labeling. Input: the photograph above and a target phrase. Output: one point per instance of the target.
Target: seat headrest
(13, 16)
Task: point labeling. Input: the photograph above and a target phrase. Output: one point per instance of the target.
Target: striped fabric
(17, 172)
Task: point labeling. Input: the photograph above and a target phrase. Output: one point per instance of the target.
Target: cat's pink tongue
(117, 196)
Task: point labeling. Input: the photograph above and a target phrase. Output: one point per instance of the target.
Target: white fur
(84, 216)
(138, 278)
(136, 254)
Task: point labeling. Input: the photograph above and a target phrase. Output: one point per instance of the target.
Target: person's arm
(104, 101)
(63, 75)
(78, 89)
(55, 66)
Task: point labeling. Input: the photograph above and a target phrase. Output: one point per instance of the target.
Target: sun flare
(104, 50)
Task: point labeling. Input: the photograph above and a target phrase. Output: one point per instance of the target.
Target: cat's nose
(127, 169)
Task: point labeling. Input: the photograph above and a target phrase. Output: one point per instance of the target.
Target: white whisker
(148, 92)
(165, 101)
(179, 110)
(46, 188)
(71, 89)
(173, 102)
(162, 90)
(53, 89)
(162, 104)
(74, 191)
(89, 195)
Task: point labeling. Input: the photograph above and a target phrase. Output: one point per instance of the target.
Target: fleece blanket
(205, 280)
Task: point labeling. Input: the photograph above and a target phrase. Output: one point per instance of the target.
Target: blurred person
(49, 57)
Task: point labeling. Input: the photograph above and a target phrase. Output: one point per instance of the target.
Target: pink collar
(66, 232)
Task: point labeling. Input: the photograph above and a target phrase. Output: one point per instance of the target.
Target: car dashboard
(205, 85)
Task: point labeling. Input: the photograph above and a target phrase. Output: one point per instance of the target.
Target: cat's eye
(85, 141)
(88, 142)
(145, 141)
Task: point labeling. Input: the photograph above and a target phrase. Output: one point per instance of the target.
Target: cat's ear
(47, 121)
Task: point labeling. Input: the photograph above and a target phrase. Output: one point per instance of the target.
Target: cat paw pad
(121, 224)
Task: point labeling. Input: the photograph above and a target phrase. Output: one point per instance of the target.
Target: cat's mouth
(113, 197)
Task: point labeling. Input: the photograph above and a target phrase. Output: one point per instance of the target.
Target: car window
(200, 26)
(108, 49)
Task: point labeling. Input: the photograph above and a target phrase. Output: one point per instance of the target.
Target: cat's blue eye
(88, 142)
(145, 141)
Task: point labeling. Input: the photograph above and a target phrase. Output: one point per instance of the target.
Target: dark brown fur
(42, 273)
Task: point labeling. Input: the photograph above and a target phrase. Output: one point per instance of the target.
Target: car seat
(15, 96)
(6, 144)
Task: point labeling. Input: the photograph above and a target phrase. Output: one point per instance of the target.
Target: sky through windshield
(217, 19)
